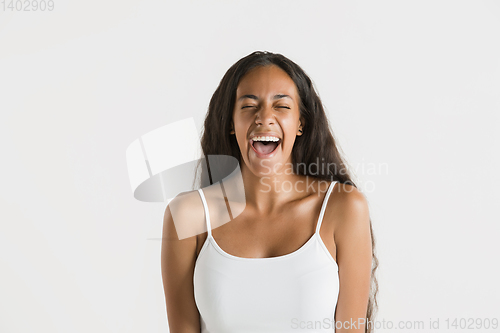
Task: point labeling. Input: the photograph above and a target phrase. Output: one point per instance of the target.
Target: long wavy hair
(317, 142)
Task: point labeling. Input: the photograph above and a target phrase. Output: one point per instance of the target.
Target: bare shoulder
(353, 243)
(178, 260)
(184, 216)
(348, 209)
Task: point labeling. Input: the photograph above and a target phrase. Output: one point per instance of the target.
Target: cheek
(241, 138)
(288, 144)
(241, 126)
(239, 122)
(242, 142)
(289, 126)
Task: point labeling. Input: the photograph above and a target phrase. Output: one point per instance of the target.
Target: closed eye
(253, 106)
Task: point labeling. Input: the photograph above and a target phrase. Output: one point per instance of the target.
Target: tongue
(264, 149)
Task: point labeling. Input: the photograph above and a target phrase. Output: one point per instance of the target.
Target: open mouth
(265, 147)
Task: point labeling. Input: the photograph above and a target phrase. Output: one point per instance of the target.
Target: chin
(268, 168)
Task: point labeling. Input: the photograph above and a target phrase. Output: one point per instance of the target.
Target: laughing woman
(300, 255)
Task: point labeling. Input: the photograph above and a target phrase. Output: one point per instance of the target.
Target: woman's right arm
(178, 258)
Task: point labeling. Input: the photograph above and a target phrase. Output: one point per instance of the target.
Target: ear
(232, 128)
(300, 128)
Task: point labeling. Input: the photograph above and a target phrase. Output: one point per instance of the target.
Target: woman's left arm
(354, 258)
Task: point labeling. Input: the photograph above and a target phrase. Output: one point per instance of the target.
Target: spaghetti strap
(323, 207)
(207, 215)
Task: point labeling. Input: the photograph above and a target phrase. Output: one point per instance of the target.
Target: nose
(265, 116)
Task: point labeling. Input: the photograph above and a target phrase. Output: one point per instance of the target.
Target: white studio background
(411, 89)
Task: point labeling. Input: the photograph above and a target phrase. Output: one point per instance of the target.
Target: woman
(299, 255)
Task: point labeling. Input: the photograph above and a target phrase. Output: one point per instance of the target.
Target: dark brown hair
(317, 143)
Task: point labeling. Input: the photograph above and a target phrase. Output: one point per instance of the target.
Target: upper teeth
(266, 138)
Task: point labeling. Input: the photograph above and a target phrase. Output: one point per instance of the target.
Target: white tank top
(295, 292)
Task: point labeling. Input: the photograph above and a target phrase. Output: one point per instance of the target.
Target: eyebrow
(277, 96)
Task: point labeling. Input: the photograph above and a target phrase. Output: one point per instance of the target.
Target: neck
(265, 194)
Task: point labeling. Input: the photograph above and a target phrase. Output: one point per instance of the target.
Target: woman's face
(266, 120)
